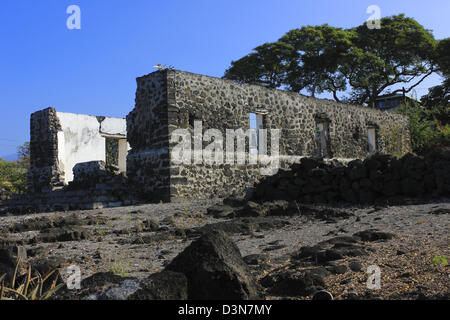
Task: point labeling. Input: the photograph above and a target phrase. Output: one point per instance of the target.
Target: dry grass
(403, 276)
(31, 288)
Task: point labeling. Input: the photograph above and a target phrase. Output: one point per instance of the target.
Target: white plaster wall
(79, 141)
(114, 126)
(82, 140)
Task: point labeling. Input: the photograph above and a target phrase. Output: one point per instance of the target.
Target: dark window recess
(356, 135)
(112, 151)
(191, 119)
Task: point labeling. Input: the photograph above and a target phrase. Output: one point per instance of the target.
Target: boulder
(295, 283)
(166, 285)
(215, 270)
(220, 211)
(72, 233)
(373, 235)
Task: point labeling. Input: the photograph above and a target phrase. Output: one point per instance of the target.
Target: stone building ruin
(68, 148)
(59, 141)
(170, 100)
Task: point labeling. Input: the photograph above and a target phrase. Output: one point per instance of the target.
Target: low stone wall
(95, 173)
(379, 178)
(64, 200)
(95, 186)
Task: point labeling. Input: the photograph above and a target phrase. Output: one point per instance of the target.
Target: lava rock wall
(377, 179)
(44, 172)
(148, 166)
(169, 100)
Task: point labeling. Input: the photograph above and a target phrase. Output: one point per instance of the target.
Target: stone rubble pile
(95, 186)
(98, 175)
(379, 178)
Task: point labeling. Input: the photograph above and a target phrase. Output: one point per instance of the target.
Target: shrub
(426, 131)
(393, 139)
(13, 176)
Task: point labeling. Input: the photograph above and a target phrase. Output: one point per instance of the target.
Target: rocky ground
(284, 250)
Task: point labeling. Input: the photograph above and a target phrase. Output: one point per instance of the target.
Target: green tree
(23, 152)
(266, 66)
(400, 53)
(368, 62)
(317, 53)
(443, 56)
(425, 132)
(437, 101)
(13, 176)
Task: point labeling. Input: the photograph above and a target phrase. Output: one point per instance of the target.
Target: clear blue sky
(93, 70)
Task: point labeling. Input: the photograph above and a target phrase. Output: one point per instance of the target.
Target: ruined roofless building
(169, 100)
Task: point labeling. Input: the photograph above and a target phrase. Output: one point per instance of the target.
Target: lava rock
(295, 283)
(215, 269)
(220, 211)
(373, 235)
(73, 233)
(256, 259)
(322, 295)
(355, 266)
(166, 285)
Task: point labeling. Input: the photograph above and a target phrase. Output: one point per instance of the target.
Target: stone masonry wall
(44, 171)
(223, 104)
(148, 166)
(169, 100)
(59, 141)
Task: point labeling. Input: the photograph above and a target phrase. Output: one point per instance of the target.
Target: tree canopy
(437, 101)
(356, 65)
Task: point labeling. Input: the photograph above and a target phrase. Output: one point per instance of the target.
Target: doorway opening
(372, 137)
(323, 138)
(116, 152)
(256, 124)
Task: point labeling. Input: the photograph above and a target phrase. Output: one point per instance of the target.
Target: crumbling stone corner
(44, 174)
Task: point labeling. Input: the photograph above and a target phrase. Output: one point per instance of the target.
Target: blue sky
(93, 70)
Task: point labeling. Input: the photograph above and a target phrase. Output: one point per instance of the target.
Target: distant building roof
(390, 101)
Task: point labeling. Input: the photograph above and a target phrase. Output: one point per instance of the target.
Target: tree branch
(415, 85)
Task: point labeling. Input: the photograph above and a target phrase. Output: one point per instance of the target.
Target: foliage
(31, 288)
(120, 268)
(324, 58)
(426, 132)
(13, 176)
(112, 151)
(393, 139)
(443, 56)
(439, 260)
(24, 151)
(266, 66)
(437, 101)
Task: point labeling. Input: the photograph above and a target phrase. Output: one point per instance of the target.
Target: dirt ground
(140, 240)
